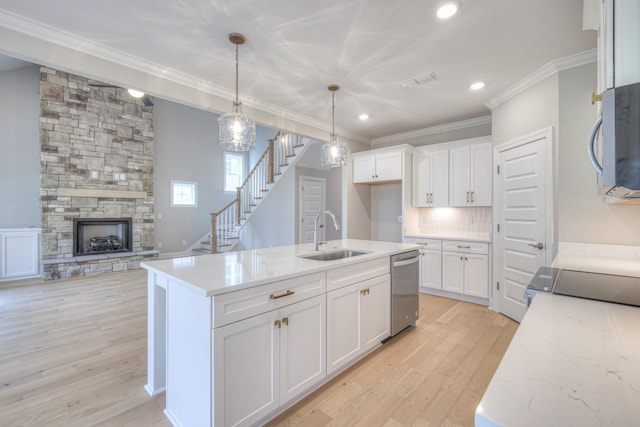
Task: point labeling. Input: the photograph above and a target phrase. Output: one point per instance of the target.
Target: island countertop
(217, 274)
(572, 362)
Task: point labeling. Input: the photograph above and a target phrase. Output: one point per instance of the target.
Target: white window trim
(224, 169)
(195, 194)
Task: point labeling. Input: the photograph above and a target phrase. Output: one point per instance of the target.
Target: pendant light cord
(333, 113)
(237, 103)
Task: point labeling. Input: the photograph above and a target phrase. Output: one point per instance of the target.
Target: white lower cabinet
(19, 253)
(465, 268)
(431, 268)
(358, 319)
(262, 362)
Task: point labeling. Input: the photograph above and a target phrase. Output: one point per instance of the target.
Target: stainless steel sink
(334, 255)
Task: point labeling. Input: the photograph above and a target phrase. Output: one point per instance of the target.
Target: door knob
(537, 245)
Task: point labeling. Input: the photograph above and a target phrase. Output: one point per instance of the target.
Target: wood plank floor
(73, 353)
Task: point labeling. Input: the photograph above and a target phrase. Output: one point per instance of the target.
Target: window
(233, 171)
(184, 194)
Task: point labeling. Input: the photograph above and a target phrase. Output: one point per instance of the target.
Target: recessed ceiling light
(136, 93)
(448, 9)
(363, 116)
(477, 86)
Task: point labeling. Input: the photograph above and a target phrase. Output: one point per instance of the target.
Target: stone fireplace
(96, 172)
(95, 236)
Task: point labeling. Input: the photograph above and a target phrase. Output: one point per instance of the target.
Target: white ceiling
(296, 48)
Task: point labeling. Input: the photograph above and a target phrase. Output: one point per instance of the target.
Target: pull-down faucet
(315, 226)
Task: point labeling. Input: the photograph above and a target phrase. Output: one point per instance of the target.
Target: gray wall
(437, 138)
(185, 150)
(20, 148)
(583, 215)
(386, 206)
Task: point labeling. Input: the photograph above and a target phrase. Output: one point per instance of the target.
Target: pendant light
(334, 152)
(236, 132)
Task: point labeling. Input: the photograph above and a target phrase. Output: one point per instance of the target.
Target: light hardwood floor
(73, 353)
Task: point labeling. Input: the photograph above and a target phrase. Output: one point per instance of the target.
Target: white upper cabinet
(470, 170)
(431, 178)
(378, 166)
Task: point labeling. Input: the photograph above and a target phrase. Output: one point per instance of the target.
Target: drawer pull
(464, 247)
(286, 294)
(285, 321)
(277, 324)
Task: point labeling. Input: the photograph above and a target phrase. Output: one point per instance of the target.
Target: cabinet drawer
(355, 273)
(469, 247)
(427, 243)
(234, 306)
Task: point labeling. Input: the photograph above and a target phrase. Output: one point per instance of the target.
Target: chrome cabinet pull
(286, 294)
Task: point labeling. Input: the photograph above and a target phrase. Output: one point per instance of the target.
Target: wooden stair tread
(290, 155)
(298, 146)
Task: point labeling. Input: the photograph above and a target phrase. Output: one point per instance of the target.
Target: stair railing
(226, 222)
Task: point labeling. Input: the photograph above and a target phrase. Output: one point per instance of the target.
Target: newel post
(214, 233)
(238, 204)
(271, 162)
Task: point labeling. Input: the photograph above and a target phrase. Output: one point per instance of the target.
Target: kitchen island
(237, 338)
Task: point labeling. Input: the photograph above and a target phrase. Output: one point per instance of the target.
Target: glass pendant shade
(236, 132)
(333, 154)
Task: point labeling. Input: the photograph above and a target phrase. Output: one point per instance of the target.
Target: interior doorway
(313, 199)
(524, 216)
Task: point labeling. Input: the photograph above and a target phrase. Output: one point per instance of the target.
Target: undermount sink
(334, 255)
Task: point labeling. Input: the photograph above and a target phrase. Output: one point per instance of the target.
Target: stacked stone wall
(99, 140)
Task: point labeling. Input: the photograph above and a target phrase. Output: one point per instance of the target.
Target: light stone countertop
(217, 274)
(481, 238)
(599, 264)
(572, 362)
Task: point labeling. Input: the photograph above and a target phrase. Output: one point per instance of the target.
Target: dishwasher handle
(404, 262)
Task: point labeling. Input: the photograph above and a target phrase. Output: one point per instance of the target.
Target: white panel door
(459, 175)
(343, 326)
(312, 200)
(521, 191)
(245, 370)
(302, 346)
(376, 316)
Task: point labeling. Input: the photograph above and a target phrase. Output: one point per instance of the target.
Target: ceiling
(296, 48)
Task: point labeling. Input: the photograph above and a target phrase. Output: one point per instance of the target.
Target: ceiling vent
(419, 80)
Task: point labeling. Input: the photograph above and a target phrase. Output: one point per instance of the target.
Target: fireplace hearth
(94, 236)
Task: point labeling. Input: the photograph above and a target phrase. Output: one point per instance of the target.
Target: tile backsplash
(452, 221)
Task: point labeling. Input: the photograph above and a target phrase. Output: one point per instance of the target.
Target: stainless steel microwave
(620, 121)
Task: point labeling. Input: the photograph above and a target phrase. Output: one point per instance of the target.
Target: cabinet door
(481, 174)
(376, 304)
(20, 254)
(440, 178)
(389, 166)
(364, 168)
(432, 261)
(343, 326)
(245, 370)
(459, 191)
(422, 278)
(302, 346)
(476, 281)
(421, 179)
(452, 271)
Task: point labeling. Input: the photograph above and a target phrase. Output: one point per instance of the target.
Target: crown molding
(542, 73)
(71, 41)
(463, 124)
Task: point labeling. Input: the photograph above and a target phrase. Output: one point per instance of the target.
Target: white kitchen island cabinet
(243, 336)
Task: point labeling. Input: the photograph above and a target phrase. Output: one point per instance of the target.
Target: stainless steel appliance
(404, 290)
(582, 284)
(620, 121)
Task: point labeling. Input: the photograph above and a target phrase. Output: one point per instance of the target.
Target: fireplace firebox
(93, 236)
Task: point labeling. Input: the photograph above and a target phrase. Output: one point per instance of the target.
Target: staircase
(226, 224)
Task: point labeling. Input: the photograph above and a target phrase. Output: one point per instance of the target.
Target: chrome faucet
(315, 227)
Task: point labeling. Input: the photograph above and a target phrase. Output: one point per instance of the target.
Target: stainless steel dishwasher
(404, 290)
